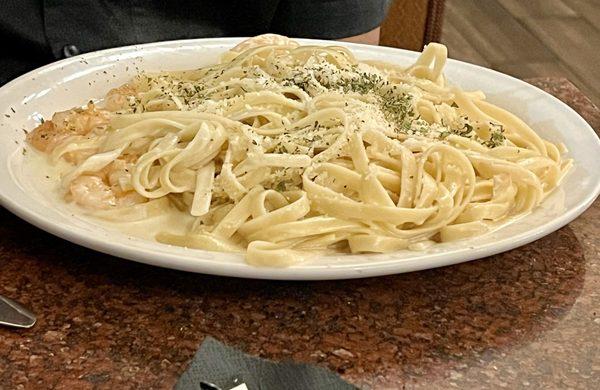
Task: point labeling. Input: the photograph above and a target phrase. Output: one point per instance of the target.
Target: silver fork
(14, 314)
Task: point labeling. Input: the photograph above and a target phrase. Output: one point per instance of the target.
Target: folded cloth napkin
(219, 367)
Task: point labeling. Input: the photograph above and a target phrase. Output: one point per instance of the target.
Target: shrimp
(76, 121)
(93, 192)
(118, 174)
(118, 98)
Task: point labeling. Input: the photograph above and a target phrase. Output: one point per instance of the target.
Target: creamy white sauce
(46, 179)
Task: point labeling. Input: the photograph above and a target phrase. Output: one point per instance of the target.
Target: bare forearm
(370, 38)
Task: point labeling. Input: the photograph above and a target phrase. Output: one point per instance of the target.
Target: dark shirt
(36, 32)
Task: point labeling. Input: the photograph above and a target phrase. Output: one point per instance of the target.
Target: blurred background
(524, 38)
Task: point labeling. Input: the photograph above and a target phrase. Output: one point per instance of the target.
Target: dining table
(526, 318)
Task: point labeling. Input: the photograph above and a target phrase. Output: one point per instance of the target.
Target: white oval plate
(73, 81)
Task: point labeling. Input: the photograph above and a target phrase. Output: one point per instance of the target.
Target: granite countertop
(526, 318)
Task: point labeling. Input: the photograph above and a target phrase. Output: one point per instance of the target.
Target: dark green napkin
(224, 367)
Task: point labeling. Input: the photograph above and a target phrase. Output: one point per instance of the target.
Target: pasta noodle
(282, 150)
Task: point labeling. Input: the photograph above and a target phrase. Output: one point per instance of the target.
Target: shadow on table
(401, 325)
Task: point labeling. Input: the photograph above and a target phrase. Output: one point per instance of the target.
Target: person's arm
(370, 38)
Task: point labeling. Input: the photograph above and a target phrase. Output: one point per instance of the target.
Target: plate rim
(298, 272)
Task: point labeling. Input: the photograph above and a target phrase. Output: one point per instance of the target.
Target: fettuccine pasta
(282, 151)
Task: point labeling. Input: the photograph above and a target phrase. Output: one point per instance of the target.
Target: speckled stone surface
(528, 318)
